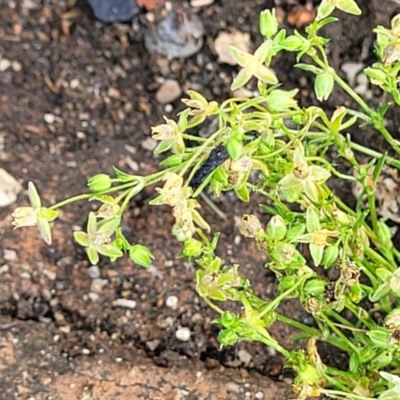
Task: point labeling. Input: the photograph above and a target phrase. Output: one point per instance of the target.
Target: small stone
(171, 302)
(351, 69)
(4, 269)
(259, 395)
(183, 334)
(149, 144)
(94, 271)
(125, 303)
(9, 188)
(153, 344)
(74, 83)
(244, 356)
(50, 274)
(10, 255)
(114, 93)
(93, 296)
(4, 64)
(236, 38)
(16, 66)
(232, 387)
(49, 118)
(97, 285)
(169, 91)
(5, 293)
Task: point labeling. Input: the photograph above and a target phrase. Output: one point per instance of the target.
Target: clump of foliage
(270, 146)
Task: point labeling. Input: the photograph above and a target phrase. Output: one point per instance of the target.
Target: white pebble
(10, 255)
(232, 387)
(4, 64)
(9, 188)
(74, 83)
(183, 334)
(126, 303)
(16, 66)
(149, 144)
(93, 296)
(244, 356)
(259, 395)
(172, 302)
(49, 118)
(94, 271)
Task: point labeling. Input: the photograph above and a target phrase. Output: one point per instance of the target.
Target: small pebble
(244, 356)
(74, 83)
(153, 344)
(10, 255)
(169, 91)
(93, 296)
(126, 303)
(232, 387)
(149, 144)
(49, 118)
(172, 302)
(9, 188)
(16, 66)
(94, 271)
(183, 334)
(259, 395)
(4, 64)
(97, 285)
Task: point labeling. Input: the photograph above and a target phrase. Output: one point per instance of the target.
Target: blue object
(114, 10)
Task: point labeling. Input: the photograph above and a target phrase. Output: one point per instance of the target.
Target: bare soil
(61, 335)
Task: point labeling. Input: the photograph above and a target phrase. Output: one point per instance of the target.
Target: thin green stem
(71, 200)
(339, 333)
(312, 332)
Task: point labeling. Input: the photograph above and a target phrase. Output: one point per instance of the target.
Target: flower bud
(192, 248)
(330, 256)
(384, 234)
(323, 85)
(382, 360)
(228, 319)
(276, 228)
(268, 23)
(378, 337)
(141, 255)
(395, 282)
(228, 337)
(99, 183)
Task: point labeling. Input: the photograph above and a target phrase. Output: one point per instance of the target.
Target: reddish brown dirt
(61, 337)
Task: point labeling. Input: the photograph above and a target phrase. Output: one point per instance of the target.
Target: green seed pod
(314, 287)
(323, 85)
(330, 256)
(99, 183)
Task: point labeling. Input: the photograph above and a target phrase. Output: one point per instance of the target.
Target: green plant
(286, 146)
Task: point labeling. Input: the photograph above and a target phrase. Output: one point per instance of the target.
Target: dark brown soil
(61, 334)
